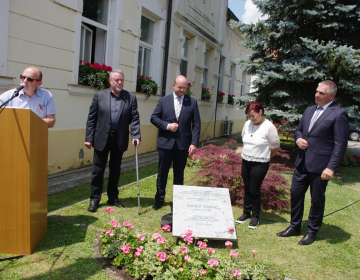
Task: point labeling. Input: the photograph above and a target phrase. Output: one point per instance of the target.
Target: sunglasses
(27, 78)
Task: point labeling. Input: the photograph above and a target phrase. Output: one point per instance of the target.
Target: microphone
(135, 142)
(16, 93)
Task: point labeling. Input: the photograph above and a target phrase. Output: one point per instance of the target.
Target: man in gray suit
(107, 130)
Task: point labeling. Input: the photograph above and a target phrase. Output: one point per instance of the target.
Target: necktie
(177, 107)
(315, 117)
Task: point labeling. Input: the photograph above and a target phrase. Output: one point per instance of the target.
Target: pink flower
(137, 254)
(166, 228)
(254, 253)
(203, 271)
(183, 250)
(230, 230)
(210, 251)
(212, 262)
(155, 236)
(109, 232)
(201, 244)
(126, 249)
(187, 258)
(161, 240)
(233, 254)
(87, 63)
(142, 76)
(221, 160)
(128, 225)
(96, 240)
(236, 273)
(161, 256)
(115, 224)
(188, 239)
(140, 237)
(109, 209)
(186, 233)
(228, 244)
(140, 248)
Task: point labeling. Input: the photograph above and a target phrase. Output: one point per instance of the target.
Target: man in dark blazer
(107, 130)
(322, 139)
(178, 119)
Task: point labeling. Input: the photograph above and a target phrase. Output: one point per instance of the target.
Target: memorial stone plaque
(205, 211)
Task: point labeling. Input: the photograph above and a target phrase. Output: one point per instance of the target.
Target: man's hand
(192, 149)
(302, 144)
(173, 127)
(137, 142)
(327, 174)
(88, 144)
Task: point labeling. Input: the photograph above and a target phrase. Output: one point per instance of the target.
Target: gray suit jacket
(99, 118)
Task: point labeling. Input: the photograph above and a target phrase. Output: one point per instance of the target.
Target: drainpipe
(167, 42)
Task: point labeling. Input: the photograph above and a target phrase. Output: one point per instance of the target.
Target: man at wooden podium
(32, 97)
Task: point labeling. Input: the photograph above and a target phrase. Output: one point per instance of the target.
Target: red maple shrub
(221, 167)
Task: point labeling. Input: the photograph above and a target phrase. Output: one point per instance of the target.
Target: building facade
(156, 38)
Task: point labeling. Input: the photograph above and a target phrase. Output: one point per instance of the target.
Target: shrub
(188, 90)
(146, 85)
(94, 75)
(220, 96)
(205, 94)
(231, 99)
(351, 161)
(221, 167)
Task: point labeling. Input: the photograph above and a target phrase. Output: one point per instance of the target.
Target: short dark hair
(256, 106)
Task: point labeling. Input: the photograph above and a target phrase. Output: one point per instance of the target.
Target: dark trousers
(253, 174)
(302, 178)
(166, 157)
(97, 176)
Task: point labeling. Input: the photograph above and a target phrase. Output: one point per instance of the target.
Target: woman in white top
(261, 142)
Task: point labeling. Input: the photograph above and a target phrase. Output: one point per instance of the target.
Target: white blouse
(259, 140)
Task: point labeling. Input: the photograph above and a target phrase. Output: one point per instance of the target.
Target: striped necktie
(315, 117)
(177, 107)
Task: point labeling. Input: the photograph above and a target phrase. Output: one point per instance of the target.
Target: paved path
(70, 179)
(354, 147)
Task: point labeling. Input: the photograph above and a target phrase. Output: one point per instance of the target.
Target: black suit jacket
(189, 123)
(327, 139)
(99, 118)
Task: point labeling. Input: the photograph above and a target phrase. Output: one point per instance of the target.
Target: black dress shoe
(116, 203)
(94, 205)
(307, 239)
(290, 231)
(157, 206)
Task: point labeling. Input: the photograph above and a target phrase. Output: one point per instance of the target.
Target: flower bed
(159, 256)
(146, 85)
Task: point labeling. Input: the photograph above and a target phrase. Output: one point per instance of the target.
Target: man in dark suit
(107, 130)
(322, 139)
(175, 115)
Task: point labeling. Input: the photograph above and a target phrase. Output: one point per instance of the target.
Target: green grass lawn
(67, 252)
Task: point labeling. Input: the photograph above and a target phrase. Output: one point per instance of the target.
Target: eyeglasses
(27, 78)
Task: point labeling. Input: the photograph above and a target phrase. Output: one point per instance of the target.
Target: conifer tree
(301, 43)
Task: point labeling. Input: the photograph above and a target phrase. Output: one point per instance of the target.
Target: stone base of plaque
(205, 211)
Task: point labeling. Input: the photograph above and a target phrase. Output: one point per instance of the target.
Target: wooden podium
(23, 181)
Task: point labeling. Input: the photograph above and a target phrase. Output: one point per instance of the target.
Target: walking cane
(137, 175)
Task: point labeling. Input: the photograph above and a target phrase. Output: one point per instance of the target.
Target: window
(243, 84)
(184, 57)
(94, 29)
(146, 46)
(231, 82)
(206, 68)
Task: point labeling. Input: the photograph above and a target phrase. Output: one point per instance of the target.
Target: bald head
(180, 85)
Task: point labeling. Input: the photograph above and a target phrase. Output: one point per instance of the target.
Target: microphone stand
(15, 94)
